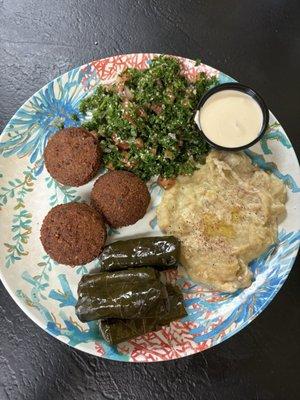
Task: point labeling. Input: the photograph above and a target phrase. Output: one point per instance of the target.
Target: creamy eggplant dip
(226, 214)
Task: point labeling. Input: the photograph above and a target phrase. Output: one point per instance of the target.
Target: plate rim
(42, 325)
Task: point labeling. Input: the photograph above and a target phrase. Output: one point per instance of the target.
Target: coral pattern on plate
(46, 291)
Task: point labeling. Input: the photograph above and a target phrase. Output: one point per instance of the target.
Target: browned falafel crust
(73, 156)
(73, 233)
(121, 197)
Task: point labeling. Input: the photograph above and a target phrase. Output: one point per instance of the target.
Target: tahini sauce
(231, 118)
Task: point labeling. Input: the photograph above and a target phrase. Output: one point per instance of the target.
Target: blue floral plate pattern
(46, 291)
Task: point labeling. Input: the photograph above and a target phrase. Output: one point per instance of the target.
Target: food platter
(46, 291)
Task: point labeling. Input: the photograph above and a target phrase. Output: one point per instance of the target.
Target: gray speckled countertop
(258, 43)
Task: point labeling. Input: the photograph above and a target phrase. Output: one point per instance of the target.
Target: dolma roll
(115, 331)
(160, 252)
(134, 293)
(91, 282)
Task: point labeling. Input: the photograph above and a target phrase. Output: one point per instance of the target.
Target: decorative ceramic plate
(46, 291)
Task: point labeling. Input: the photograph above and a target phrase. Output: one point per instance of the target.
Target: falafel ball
(121, 197)
(73, 156)
(73, 233)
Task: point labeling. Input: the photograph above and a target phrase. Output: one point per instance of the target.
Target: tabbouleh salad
(145, 120)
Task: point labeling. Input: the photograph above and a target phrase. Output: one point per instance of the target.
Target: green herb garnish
(75, 117)
(145, 120)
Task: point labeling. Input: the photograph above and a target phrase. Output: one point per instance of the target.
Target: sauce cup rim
(241, 88)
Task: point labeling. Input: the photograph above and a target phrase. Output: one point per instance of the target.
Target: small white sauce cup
(242, 88)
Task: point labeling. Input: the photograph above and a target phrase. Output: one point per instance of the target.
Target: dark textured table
(258, 43)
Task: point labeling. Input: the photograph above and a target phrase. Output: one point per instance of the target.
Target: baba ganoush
(226, 214)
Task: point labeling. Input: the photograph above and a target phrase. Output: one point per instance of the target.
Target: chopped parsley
(145, 120)
(75, 117)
